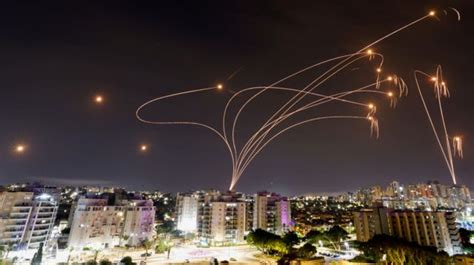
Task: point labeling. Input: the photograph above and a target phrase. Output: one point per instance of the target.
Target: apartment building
(26, 219)
(271, 212)
(435, 229)
(99, 222)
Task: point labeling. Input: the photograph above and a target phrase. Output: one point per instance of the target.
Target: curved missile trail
(441, 90)
(274, 126)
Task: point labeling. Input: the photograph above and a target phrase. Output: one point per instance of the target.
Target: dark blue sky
(55, 56)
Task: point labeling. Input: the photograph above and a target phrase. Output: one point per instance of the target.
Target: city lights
(97, 180)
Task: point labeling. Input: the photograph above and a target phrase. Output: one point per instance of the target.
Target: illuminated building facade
(187, 212)
(434, 229)
(98, 223)
(26, 219)
(271, 212)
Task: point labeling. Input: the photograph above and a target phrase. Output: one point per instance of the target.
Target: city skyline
(74, 87)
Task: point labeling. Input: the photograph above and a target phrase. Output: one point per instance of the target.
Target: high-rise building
(371, 222)
(101, 223)
(187, 212)
(435, 229)
(271, 212)
(220, 218)
(26, 219)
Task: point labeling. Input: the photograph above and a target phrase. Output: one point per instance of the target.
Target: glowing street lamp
(219, 86)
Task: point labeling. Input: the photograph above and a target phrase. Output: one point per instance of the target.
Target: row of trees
(332, 238)
(162, 241)
(287, 247)
(273, 244)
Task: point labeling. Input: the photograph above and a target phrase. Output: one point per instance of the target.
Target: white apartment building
(97, 224)
(26, 219)
(271, 212)
(435, 229)
(221, 218)
(187, 212)
(227, 222)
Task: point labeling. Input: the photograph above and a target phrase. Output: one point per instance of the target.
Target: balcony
(13, 232)
(39, 236)
(39, 229)
(16, 225)
(17, 218)
(40, 219)
(21, 212)
(21, 206)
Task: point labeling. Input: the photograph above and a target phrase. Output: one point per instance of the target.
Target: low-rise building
(98, 223)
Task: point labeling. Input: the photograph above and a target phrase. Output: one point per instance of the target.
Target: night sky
(55, 56)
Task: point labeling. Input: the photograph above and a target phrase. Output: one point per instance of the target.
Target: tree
(306, 251)
(261, 239)
(146, 244)
(277, 246)
(96, 255)
(5, 250)
(267, 242)
(160, 247)
(335, 235)
(164, 228)
(127, 261)
(398, 251)
(69, 255)
(291, 239)
(314, 236)
(105, 262)
(38, 256)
